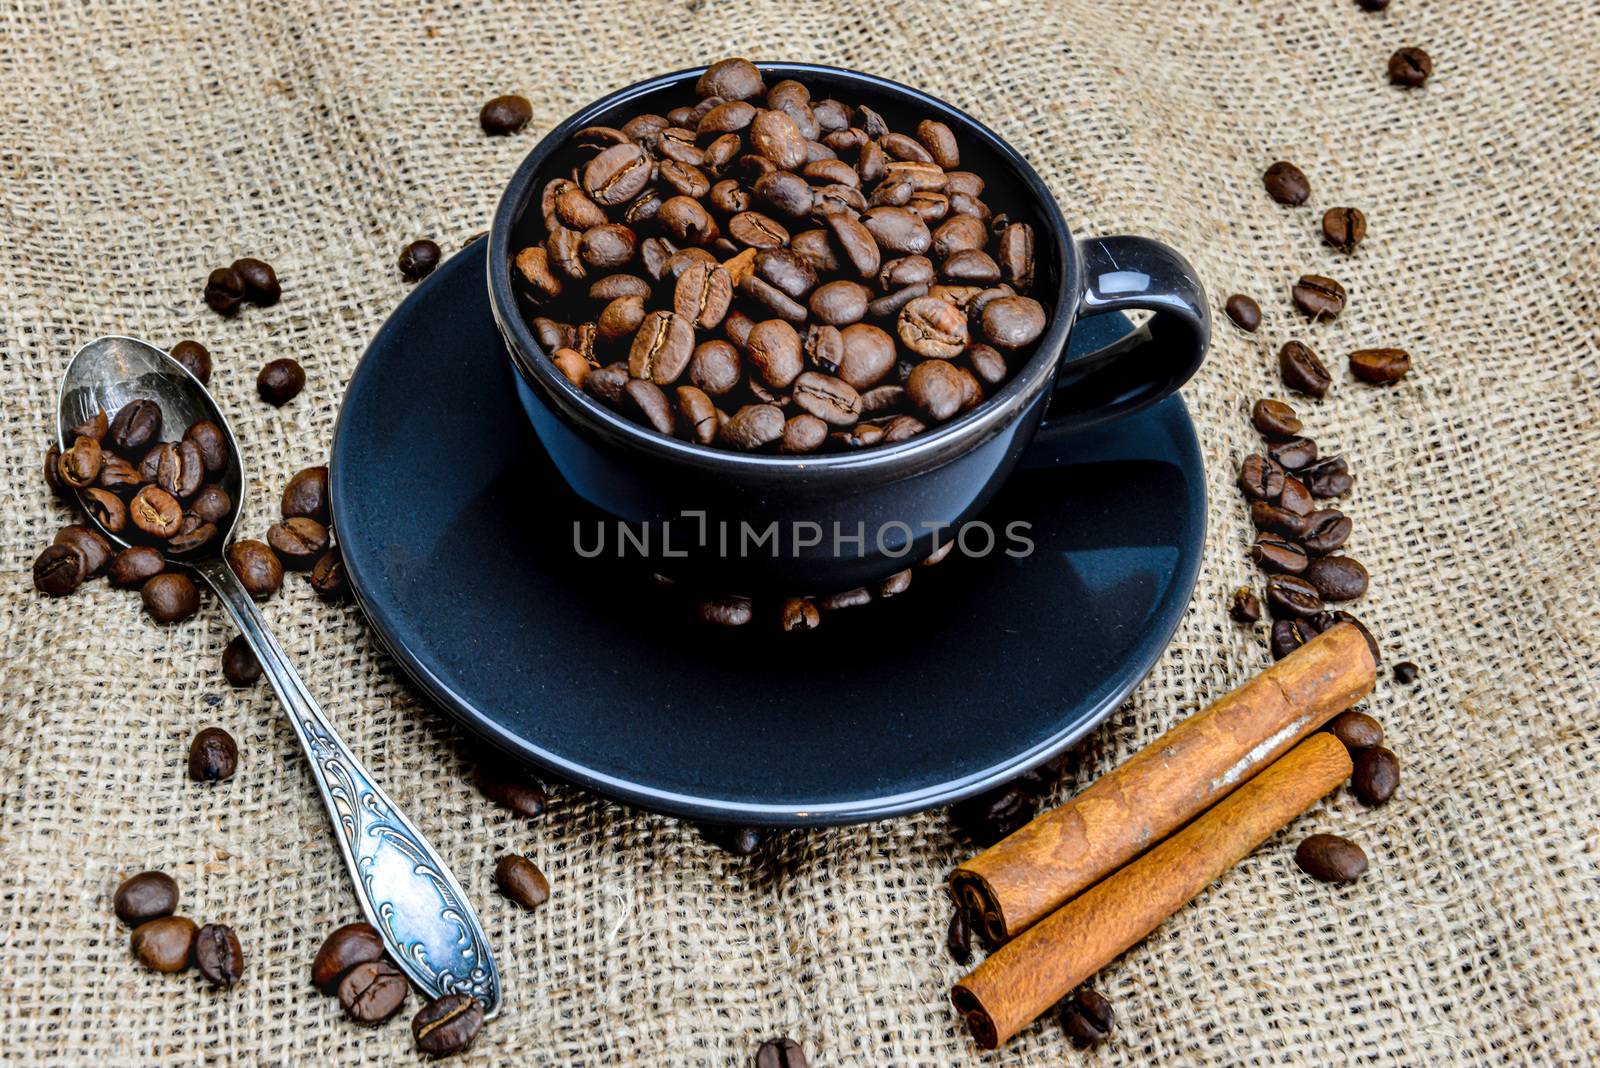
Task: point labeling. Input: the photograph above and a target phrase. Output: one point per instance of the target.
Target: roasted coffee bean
(134, 565)
(280, 381)
(170, 597)
(775, 353)
(897, 583)
(137, 424)
(239, 664)
(725, 611)
(1405, 673)
(534, 266)
(261, 285)
(994, 814)
(786, 271)
(1380, 366)
(958, 938)
(824, 348)
(892, 304)
(616, 175)
(905, 271)
(1328, 477)
(781, 1053)
(897, 230)
(1356, 730)
(572, 366)
(505, 115)
(106, 508)
(211, 505)
(1372, 5)
(1410, 67)
(307, 495)
(521, 880)
(940, 390)
(1326, 529)
(645, 402)
(1318, 297)
(714, 367)
(194, 358)
(419, 258)
(213, 756)
(973, 266)
(1295, 497)
(701, 300)
(1331, 859)
(731, 79)
(830, 399)
(786, 193)
(754, 426)
(218, 955)
(1275, 419)
(608, 246)
(1294, 453)
(1086, 1017)
(510, 788)
(1286, 183)
(146, 896)
(1260, 478)
(1344, 228)
(372, 991)
(958, 233)
(868, 355)
(80, 465)
(328, 578)
(852, 598)
(1267, 516)
(180, 469)
(91, 545)
(211, 443)
(164, 944)
(1012, 322)
(1245, 607)
(117, 474)
(931, 327)
(258, 568)
(987, 363)
(224, 291)
(1289, 635)
(1277, 554)
(298, 542)
(799, 613)
(95, 427)
(192, 534)
(346, 947)
(156, 512)
(840, 303)
(1337, 578)
(1290, 597)
(856, 242)
(1377, 773)
(52, 470)
(803, 433)
(1302, 371)
(1244, 311)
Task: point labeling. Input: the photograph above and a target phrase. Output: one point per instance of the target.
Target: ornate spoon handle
(404, 887)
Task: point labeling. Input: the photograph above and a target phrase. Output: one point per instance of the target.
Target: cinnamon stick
(1018, 881)
(1026, 976)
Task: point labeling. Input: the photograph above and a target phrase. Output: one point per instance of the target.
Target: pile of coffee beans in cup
(165, 942)
(764, 271)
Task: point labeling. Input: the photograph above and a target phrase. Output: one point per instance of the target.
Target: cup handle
(1126, 273)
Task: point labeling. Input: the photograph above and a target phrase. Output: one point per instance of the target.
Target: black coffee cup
(823, 522)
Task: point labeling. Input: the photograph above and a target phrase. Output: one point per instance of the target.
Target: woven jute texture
(142, 144)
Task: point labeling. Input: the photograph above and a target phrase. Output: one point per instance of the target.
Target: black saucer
(457, 535)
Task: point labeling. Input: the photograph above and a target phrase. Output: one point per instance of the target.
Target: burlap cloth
(141, 145)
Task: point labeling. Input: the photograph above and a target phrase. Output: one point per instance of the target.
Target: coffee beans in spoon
(746, 270)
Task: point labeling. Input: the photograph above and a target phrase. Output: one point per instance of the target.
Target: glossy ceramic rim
(484, 725)
(925, 450)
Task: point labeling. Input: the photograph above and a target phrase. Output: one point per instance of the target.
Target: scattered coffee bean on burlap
(146, 896)
(1087, 1017)
(1405, 673)
(419, 258)
(213, 756)
(1286, 183)
(1331, 859)
(505, 115)
(347, 946)
(781, 1053)
(1318, 297)
(1244, 311)
(740, 841)
(280, 381)
(1410, 67)
(165, 944)
(448, 1024)
(239, 664)
(1302, 371)
(218, 955)
(1376, 775)
(261, 286)
(1245, 607)
(372, 991)
(521, 880)
(1380, 366)
(510, 787)
(1344, 228)
(1356, 730)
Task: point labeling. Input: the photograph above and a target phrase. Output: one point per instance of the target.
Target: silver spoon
(405, 889)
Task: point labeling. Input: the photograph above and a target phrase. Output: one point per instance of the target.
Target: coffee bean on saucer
(258, 568)
(145, 896)
(1275, 419)
(1086, 1017)
(1302, 371)
(1292, 597)
(59, 570)
(165, 944)
(1244, 311)
(505, 115)
(781, 1053)
(373, 991)
(261, 286)
(521, 880)
(346, 947)
(299, 541)
(1377, 773)
(218, 955)
(213, 755)
(280, 381)
(1286, 183)
(1245, 607)
(1318, 297)
(328, 579)
(170, 597)
(307, 495)
(239, 664)
(195, 359)
(1344, 228)
(1356, 730)
(137, 425)
(224, 291)
(1405, 673)
(418, 259)
(447, 1025)
(1337, 578)
(1410, 67)
(1380, 366)
(1331, 859)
